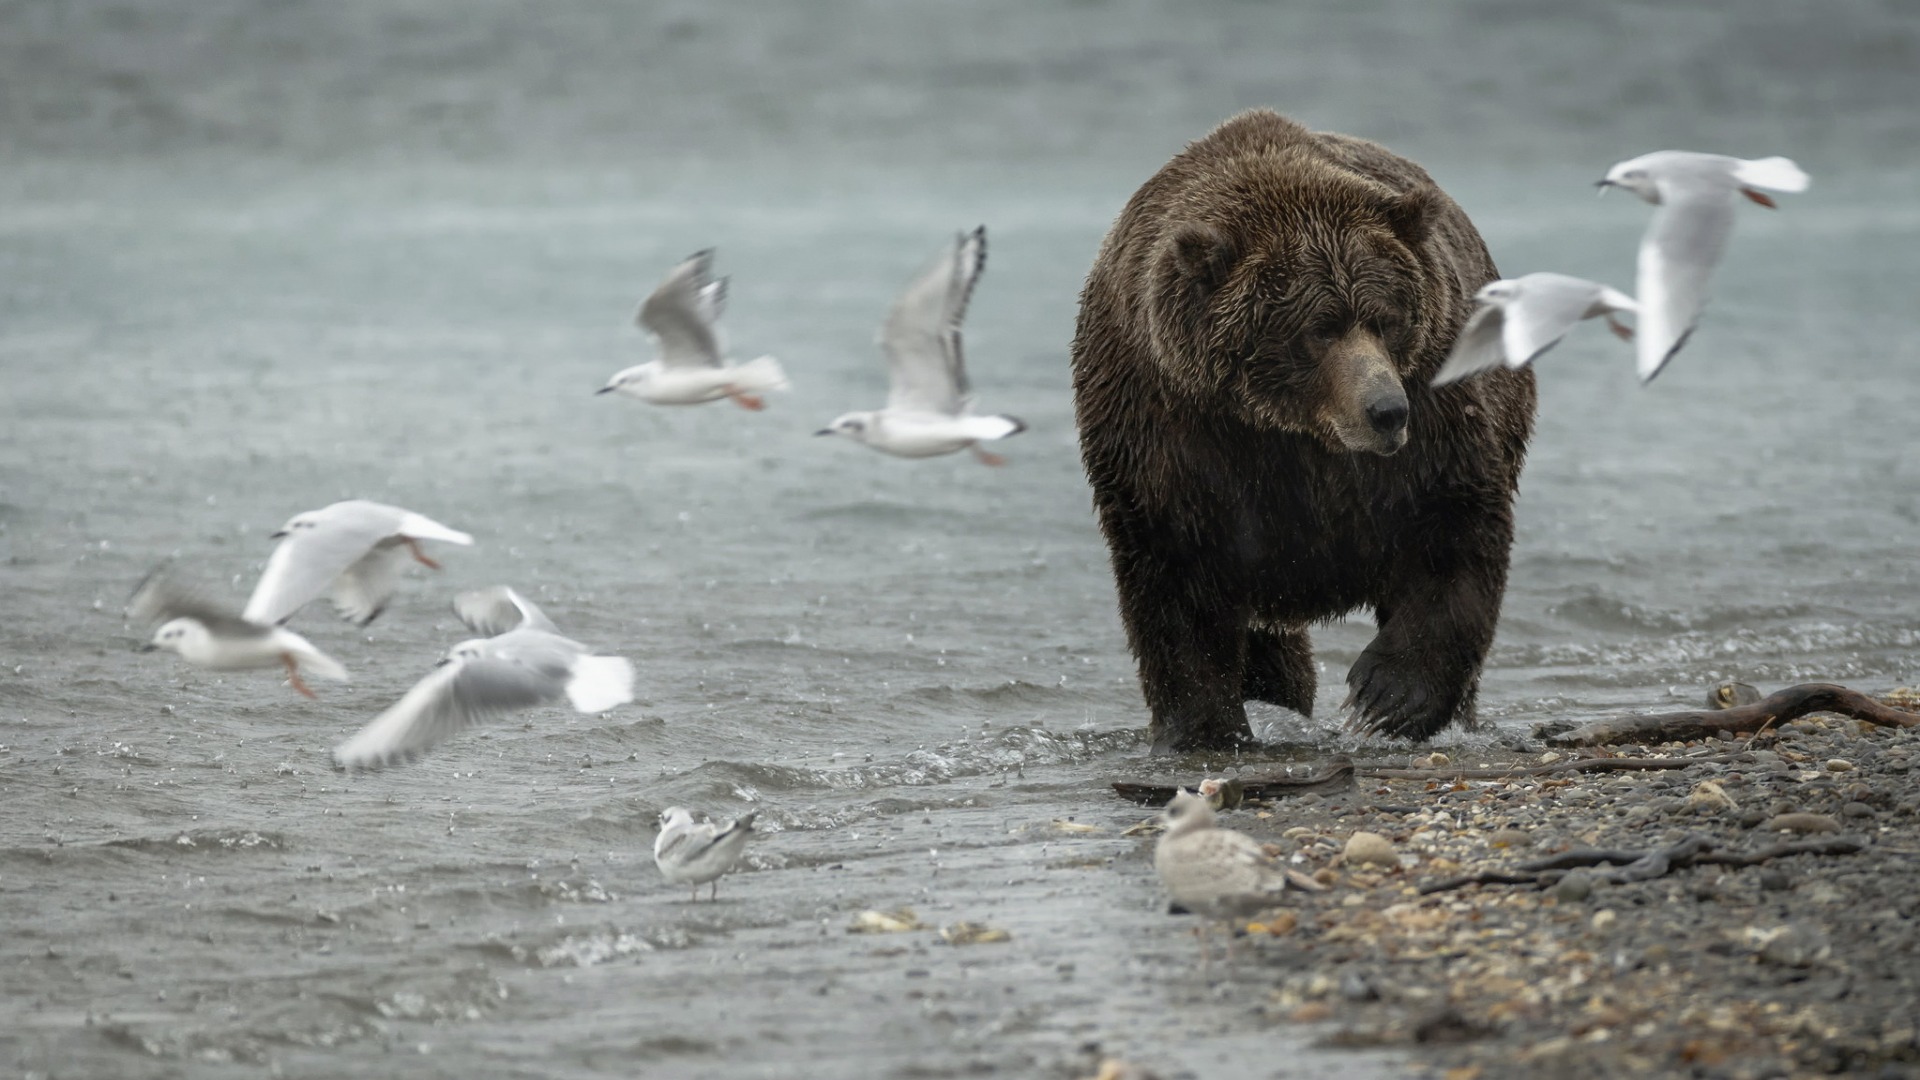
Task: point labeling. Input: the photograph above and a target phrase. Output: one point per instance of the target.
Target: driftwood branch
(1641, 865)
(1335, 775)
(1592, 764)
(1778, 708)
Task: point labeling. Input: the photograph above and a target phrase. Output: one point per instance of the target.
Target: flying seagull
(683, 315)
(525, 662)
(207, 635)
(1688, 234)
(1520, 318)
(929, 404)
(352, 552)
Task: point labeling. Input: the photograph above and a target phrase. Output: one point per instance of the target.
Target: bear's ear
(1202, 254)
(1410, 215)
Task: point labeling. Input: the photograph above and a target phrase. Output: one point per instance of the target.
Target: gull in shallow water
(352, 552)
(206, 635)
(523, 664)
(694, 853)
(1520, 318)
(1218, 874)
(1688, 234)
(929, 404)
(683, 315)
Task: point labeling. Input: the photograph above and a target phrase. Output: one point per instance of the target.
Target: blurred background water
(260, 255)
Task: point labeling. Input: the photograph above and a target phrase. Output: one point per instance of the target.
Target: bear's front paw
(1397, 699)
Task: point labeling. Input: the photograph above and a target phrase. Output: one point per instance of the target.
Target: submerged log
(1336, 775)
(1777, 708)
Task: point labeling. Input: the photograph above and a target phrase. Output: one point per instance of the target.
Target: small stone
(1312, 1012)
(1509, 838)
(1839, 765)
(1774, 879)
(1367, 847)
(1355, 987)
(1574, 888)
(1753, 819)
(1437, 759)
(1796, 945)
(1856, 810)
(1603, 920)
(1802, 823)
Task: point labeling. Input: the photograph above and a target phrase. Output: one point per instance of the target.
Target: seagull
(1688, 234)
(1520, 318)
(1217, 873)
(683, 315)
(524, 662)
(694, 853)
(351, 551)
(206, 635)
(929, 405)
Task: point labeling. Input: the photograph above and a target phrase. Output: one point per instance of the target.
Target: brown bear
(1250, 372)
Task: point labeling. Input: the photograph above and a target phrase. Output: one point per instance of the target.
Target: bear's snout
(1363, 402)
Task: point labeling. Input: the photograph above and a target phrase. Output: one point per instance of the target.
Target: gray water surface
(258, 257)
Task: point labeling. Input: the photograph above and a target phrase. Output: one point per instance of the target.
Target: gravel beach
(1804, 964)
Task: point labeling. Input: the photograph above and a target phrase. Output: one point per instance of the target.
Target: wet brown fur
(1250, 301)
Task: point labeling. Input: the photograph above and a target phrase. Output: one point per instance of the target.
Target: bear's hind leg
(1279, 668)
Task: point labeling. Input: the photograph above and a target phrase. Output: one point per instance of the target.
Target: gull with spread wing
(690, 852)
(526, 662)
(930, 404)
(1688, 234)
(1520, 318)
(683, 316)
(210, 636)
(351, 552)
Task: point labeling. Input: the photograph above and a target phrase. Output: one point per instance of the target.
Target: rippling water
(256, 259)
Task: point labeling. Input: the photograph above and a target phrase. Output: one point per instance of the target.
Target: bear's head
(1302, 302)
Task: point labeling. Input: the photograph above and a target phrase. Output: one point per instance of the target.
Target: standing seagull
(694, 853)
(211, 637)
(1216, 873)
(1694, 193)
(525, 663)
(1520, 318)
(929, 404)
(683, 315)
(352, 552)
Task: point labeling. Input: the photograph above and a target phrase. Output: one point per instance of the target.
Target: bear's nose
(1388, 413)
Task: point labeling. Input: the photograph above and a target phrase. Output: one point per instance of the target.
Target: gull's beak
(148, 647)
(277, 534)
(1603, 185)
(824, 431)
(604, 390)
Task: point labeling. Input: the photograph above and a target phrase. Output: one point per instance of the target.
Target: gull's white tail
(992, 427)
(758, 375)
(314, 660)
(599, 683)
(421, 527)
(1773, 173)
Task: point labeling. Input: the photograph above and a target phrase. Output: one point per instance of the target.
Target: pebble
(1839, 765)
(1509, 838)
(1774, 879)
(1367, 847)
(1573, 888)
(1802, 823)
(1797, 945)
(1603, 920)
(1856, 810)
